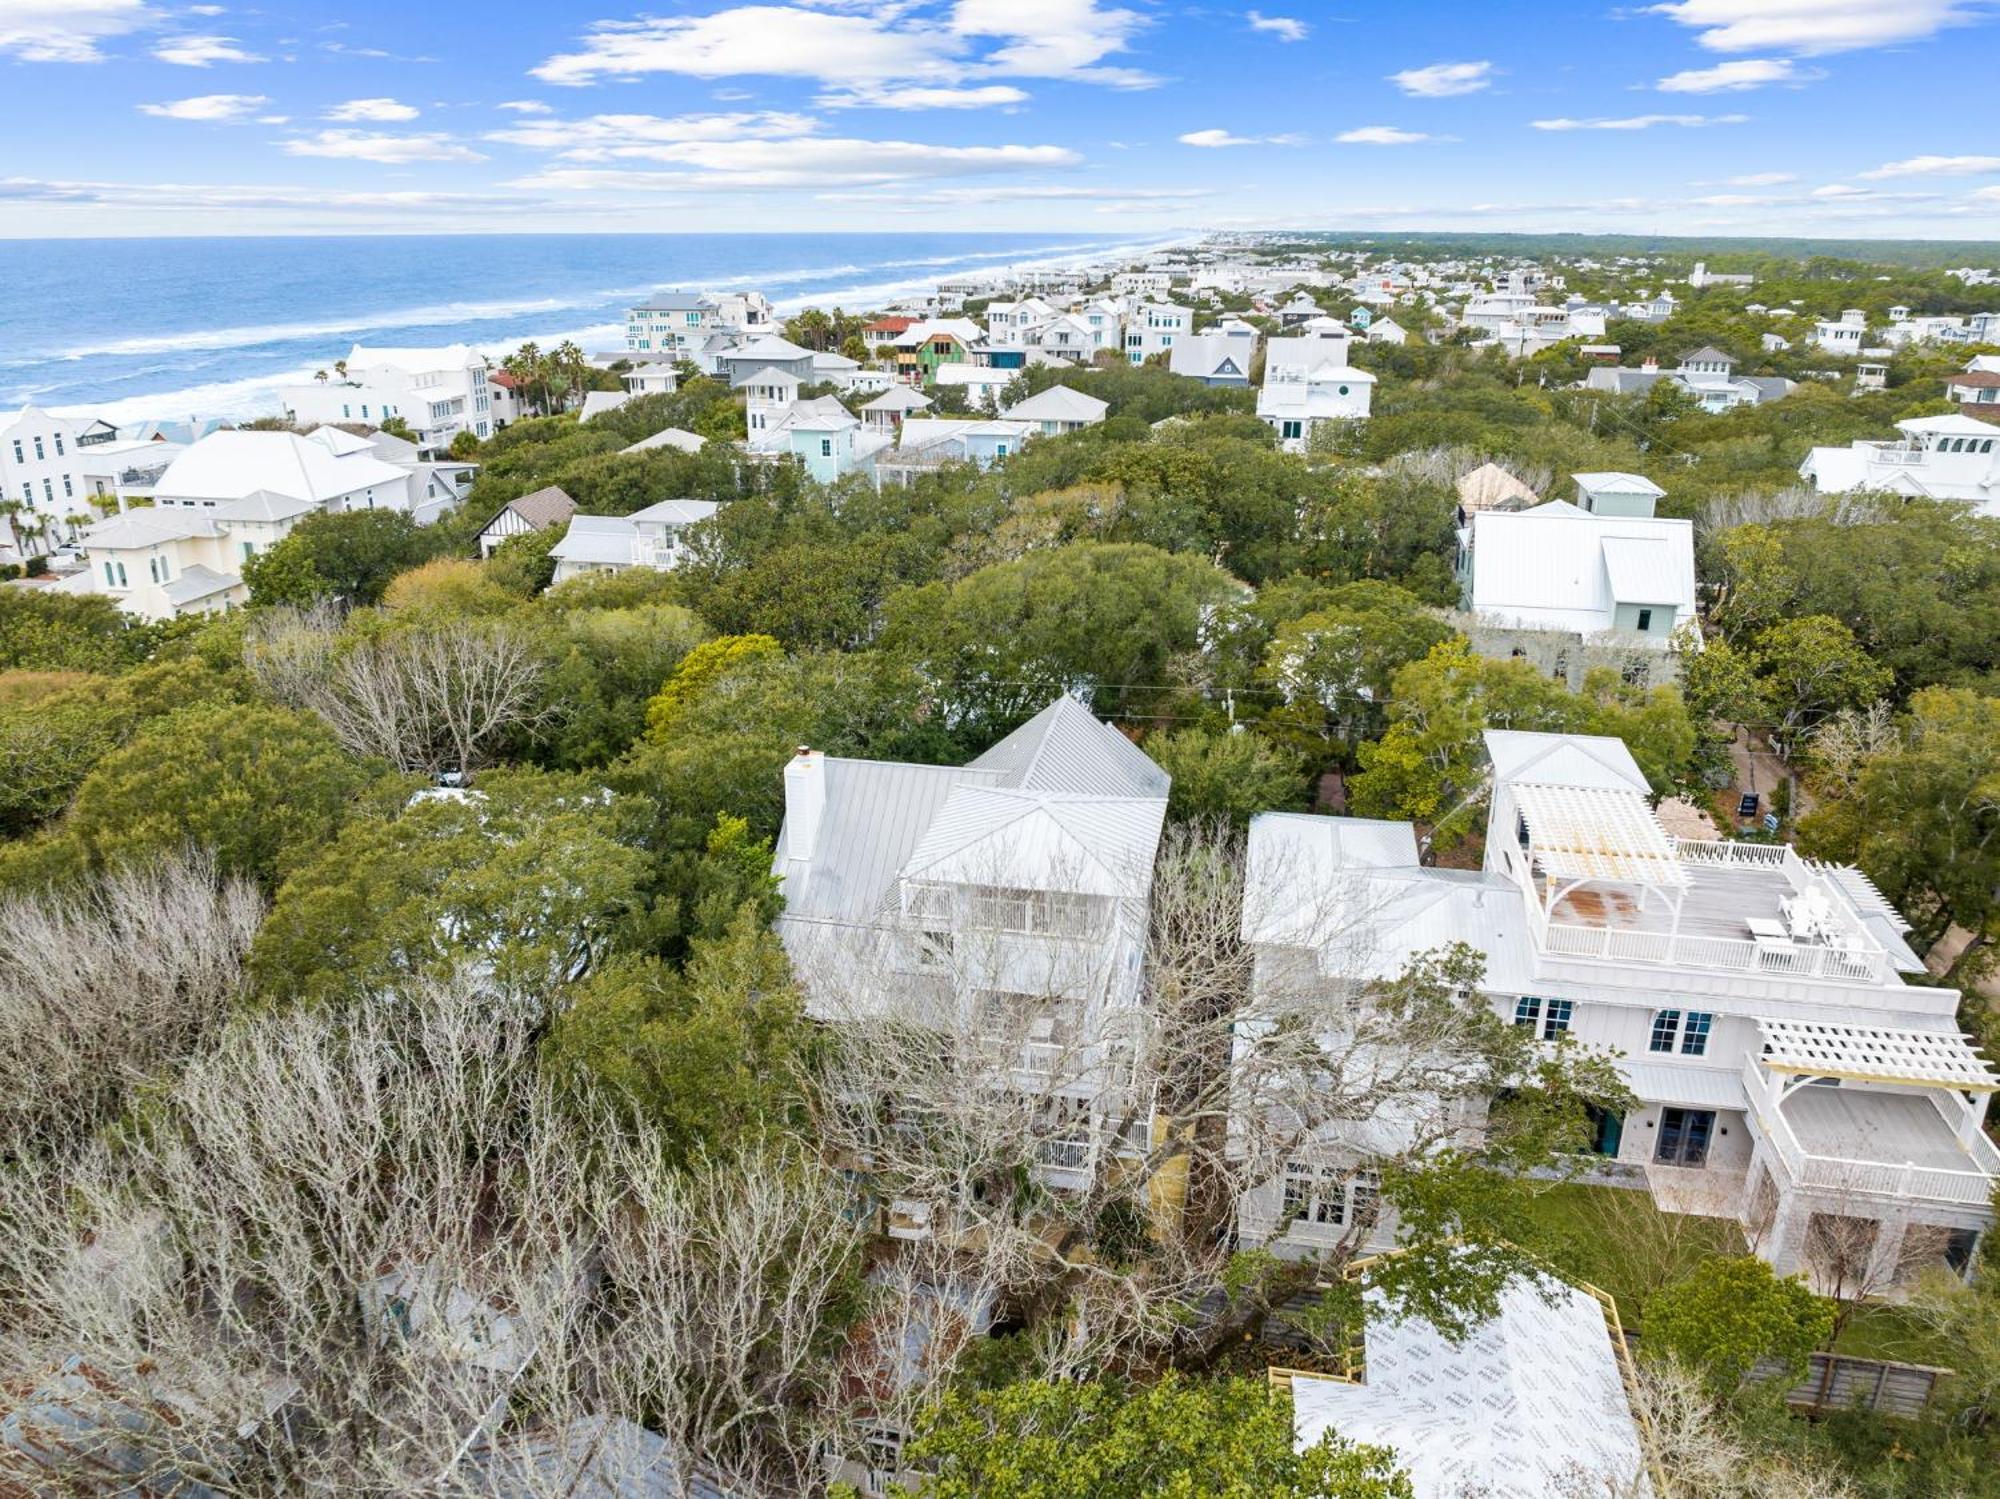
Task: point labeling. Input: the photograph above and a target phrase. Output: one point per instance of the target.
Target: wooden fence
(1836, 1381)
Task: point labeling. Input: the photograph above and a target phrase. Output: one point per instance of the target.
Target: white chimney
(805, 802)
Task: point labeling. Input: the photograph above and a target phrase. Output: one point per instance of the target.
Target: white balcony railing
(1846, 1176)
(1797, 960)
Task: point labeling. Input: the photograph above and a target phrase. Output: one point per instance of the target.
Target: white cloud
(1986, 194)
(804, 162)
(1935, 166)
(1762, 179)
(983, 96)
(607, 137)
(205, 10)
(1441, 80)
(525, 106)
(1284, 28)
(1813, 26)
(1035, 39)
(390, 150)
(200, 51)
(1213, 139)
(179, 196)
(208, 108)
(374, 111)
(1026, 193)
(1381, 135)
(1640, 122)
(274, 119)
(57, 31)
(1732, 77)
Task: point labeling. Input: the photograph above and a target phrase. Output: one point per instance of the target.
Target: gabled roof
(1708, 354)
(821, 414)
(541, 508)
(1945, 426)
(1058, 404)
(674, 513)
(606, 540)
(412, 361)
(199, 582)
(899, 398)
(1557, 567)
(264, 505)
(769, 348)
(145, 528)
(597, 402)
(1027, 840)
(1615, 482)
(1563, 760)
(668, 437)
(1491, 487)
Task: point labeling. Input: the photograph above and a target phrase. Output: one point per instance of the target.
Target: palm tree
(320, 375)
(569, 366)
(340, 368)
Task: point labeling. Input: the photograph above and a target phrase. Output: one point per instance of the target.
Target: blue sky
(1836, 117)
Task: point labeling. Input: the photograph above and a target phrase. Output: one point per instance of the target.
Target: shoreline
(252, 396)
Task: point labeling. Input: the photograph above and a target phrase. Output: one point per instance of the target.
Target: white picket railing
(1799, 960)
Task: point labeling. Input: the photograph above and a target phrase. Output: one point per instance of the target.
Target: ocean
(175, 328)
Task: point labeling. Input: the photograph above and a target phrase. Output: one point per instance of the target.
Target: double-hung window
(1666, 1030)
(1694, 1033)
(1323, 1196)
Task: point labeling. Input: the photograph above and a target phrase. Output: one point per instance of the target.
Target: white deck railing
(1849, 1176)
(1796, 960)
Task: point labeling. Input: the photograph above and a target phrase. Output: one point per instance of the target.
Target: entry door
(1684, 1136)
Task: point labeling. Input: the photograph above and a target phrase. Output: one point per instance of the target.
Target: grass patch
(1891, 1332)
(1616, 1239)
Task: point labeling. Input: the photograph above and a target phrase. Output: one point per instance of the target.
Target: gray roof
(1708, 354)
(267, 505)
(667, 437)
(542, 508)
(876, 812)
(605, 539)
(1065, 747)
(199, 582)
(674, 513)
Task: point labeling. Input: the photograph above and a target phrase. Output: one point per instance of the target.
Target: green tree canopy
(350, 555)
(1730, 1313)
(1172, 1439)
(1232, 775)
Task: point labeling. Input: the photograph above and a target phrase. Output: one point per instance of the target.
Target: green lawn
(1621, 1243)
(1618, 1241)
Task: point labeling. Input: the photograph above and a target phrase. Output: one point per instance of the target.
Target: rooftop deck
(1856, 1125)
(1739, 908)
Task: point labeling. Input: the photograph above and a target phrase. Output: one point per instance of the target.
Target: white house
(1153, 328)
(889, 410)
(1006, 899)
(1940, 457)
(1568, 589)
(42, 469)
(767, 396)
(1067, 337)
(1785, 1073)
(438, 393)
(982, 384)
(654, 537)
(748, 360)
(1058, 409)
(651, 379)
(676, 323)
(1215, 357)
(1842, 336)
(1307, 381)
(1974, 388)
(1708, 374)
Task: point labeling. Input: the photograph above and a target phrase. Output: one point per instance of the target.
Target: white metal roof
(1931, 1058)
(1058, 404)
(1682, 1085)
(668, 437)
(1563, 759)
(1556, 567)
(1025, 840)
(1595, 833)
(1531, 1403)
(1612, 481)
(606, 540)
(230, 465)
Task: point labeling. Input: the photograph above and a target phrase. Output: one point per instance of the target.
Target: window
(1291, 431)
(19, 456)
(1645, 619)
(1527, 1010)
(156, 569)
(48, 492)
(1694, 1034)
(1556, 1020)
(1666, 1030)
(1318, 1195)
(826, 447)
(59, 446)
(39, 455)
(69, 489)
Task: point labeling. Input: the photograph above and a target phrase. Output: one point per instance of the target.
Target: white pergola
(1583, 834)
(1924, 1059)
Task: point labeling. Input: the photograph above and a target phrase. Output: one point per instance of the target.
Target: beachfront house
(437, 392)
(42, 463)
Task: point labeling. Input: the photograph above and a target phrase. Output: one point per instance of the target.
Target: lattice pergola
(1598, 833)
(1929, 1059)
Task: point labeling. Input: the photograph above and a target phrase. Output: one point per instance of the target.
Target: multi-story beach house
(43, 480)
(1953, 457)
(438, 393)
(1005, 900)
(1784, 1072)
(655, 537)
(1307, 380)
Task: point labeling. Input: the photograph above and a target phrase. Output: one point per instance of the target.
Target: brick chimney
(805, 802)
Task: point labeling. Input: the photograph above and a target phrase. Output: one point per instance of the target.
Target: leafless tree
(438, 696)
(1695, 1452)
(101, 987)
(1086, 1149)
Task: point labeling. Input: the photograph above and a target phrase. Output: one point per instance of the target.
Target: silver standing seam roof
(1062, 774)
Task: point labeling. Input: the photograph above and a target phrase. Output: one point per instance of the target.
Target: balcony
(1859, 1142)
